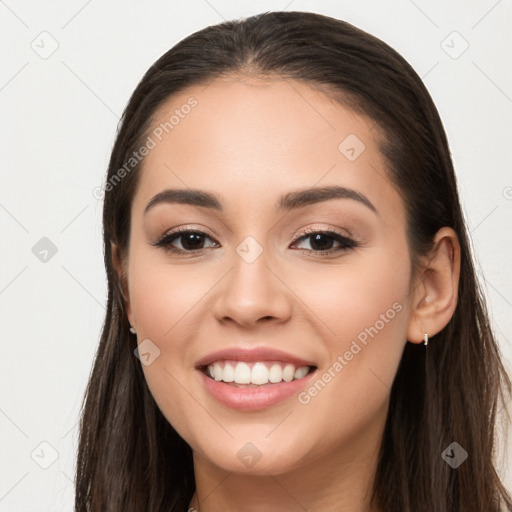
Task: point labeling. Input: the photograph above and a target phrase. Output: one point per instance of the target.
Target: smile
(256, 373)
(256, 391)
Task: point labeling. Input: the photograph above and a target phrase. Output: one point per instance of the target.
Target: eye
(190, 240)
(321, 242)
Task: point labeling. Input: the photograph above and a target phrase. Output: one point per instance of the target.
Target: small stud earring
(132, 330)
(427, 299)
(426, 339)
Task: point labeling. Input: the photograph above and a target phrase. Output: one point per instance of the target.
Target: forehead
(250, 140)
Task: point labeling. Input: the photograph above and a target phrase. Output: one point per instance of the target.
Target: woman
(293, 318)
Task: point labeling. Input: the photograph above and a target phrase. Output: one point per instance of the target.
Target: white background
(58, 117)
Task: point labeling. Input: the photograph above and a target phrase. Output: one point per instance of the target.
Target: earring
(132, 330)
(426, 339)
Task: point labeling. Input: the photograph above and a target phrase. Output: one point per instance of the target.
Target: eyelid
(323, 229)
(346, 241)
(306, 231)
(186, 229)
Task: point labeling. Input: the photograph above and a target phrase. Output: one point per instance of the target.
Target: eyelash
(346, 242)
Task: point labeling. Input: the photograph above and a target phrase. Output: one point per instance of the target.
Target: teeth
(259, 374)
(242, 373)
(288, 372)
(275, 373)
(255, 373)
(228, 374)
(217, 371)
(301, 372)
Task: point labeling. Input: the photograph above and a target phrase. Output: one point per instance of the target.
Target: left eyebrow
(307, 196)
(289, 201)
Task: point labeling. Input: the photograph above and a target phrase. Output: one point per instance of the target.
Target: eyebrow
(289, 201)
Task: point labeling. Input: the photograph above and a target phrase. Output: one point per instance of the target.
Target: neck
(337, 481)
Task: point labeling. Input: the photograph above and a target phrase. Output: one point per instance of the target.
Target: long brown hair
(130, 459)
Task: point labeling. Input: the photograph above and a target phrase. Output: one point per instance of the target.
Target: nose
(253, 294)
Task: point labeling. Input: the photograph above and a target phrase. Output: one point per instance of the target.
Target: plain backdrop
(67, 70)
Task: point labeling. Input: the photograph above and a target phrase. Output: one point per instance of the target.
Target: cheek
(162, 301)
(168, 302)
(163, 296)
(364, 313)
(364, 294)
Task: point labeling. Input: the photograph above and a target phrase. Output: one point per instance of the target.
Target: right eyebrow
(185, 196)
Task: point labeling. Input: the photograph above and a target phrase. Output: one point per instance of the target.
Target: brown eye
(322, 242)
(189, 240)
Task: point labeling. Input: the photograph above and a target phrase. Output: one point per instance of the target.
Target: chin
(246, 457)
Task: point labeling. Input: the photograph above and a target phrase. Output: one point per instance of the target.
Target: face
(323, 279)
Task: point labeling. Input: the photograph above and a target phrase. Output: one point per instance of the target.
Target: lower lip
(251, 399)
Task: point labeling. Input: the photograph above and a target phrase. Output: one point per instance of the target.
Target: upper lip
(251, 355)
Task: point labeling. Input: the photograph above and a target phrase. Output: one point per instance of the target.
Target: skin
(250, 140)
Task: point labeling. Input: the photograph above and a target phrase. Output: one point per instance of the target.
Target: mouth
(255, 374)
(256, 378)
(256, 385)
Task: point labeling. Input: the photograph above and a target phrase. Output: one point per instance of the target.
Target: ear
(436, 292)
(119, 264)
